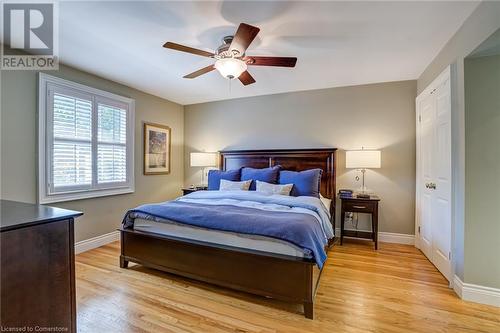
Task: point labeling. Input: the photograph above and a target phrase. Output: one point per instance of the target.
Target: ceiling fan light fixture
(230, 68)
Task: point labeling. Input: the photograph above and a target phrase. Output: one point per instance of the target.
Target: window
(86, 141)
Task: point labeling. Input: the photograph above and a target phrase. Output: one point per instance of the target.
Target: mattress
(250, 242)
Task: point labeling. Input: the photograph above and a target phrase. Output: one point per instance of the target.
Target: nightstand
(188, 190)
(360, 205)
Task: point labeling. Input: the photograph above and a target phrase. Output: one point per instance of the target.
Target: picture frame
(157, 149)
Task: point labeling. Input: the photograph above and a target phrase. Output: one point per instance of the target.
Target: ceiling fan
(231, 60)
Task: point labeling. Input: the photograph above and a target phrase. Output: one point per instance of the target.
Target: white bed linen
(251, 242)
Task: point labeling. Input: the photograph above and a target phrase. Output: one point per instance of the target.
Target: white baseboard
(389, 237)
(476, 293)
(92, 243)
(458, 286)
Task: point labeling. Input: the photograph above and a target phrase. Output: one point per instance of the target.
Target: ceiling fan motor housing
(223, 50)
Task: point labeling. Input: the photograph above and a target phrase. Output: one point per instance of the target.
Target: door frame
(446, 74)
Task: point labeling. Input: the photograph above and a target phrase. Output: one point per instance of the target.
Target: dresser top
(15, 215)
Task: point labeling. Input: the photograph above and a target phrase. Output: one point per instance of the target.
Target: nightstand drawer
(358, 206)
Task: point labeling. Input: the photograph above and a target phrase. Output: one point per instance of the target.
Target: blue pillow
(305, 182)
(268, 175)
(214, 177)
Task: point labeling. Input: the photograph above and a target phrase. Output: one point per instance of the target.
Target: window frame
(46, 194)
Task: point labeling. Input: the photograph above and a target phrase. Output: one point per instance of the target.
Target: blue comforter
(298, 220)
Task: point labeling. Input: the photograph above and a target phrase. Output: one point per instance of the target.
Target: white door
(441, 240)
(434, 173)
(427, 120)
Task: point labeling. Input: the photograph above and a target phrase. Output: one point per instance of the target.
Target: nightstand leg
(375, 227)
(342, 218)
(123, 262)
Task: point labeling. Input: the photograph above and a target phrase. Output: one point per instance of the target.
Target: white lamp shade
(230, 68)
(203, 159)
(362, 159)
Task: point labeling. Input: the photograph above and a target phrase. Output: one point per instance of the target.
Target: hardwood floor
(392, 290)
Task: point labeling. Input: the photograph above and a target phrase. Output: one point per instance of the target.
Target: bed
(247, 262)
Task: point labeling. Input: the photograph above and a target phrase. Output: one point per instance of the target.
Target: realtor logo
(29, 35)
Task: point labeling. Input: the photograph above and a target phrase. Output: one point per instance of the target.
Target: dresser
(37, 268)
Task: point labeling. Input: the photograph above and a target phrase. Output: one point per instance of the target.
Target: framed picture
(156, 149)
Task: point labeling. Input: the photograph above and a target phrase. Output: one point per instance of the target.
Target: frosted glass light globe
(230, 68)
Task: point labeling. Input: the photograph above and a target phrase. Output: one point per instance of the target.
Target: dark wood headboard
(289, 159)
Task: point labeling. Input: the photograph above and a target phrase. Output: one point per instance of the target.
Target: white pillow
(228, 185)
(327, 202)
(264, 187)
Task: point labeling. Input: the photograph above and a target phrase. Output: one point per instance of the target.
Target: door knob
(431, 186)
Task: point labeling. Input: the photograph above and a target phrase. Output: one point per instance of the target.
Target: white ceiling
(336, 43)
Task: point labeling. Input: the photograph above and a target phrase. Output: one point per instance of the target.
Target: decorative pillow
(268, 175)
(228, 185)
(273, 188)
(214, 177)
(305, 183)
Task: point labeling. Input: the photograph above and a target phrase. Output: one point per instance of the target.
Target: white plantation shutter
(111, 144)
(111, 163)
(86, 141)
(72, 164)
(72, 142)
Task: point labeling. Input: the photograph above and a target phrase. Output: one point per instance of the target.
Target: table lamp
(203, 160)
(362, 159)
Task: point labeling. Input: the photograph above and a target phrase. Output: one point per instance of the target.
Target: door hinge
(418, 229)
(449, 255)
(419, 118)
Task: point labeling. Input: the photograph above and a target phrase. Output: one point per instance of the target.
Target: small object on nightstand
(363, 196)
(360, 205)
(345, 193)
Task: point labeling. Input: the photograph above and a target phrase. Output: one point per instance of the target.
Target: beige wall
(482, 166)
(479, 26)
(19, 149)
(374, 116)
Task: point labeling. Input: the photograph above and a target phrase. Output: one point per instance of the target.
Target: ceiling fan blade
(246, 78)
(243, 38)
(199, 72)
(182, 48)
(270, 61)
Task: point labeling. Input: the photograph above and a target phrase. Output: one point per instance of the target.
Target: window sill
(83, 195)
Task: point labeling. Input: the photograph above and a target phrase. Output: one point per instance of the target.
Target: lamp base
(363, 196)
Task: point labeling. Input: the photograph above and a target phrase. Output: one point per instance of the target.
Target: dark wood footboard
(281, 277)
